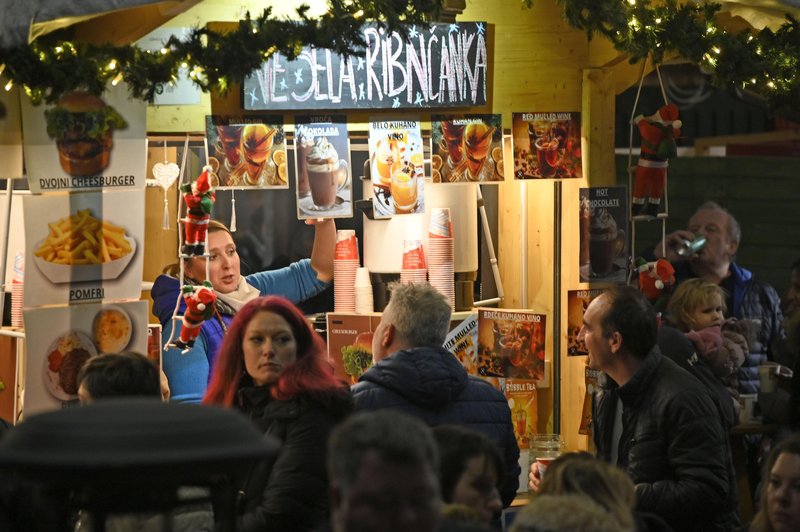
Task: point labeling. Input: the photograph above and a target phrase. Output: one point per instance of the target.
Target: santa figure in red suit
(658, 132)
(200, 304)
(199, 198)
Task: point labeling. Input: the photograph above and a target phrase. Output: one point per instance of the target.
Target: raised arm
(324, 248)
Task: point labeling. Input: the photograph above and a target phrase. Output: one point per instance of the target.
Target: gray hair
(734, 229)
(420, 314)
(396, 437)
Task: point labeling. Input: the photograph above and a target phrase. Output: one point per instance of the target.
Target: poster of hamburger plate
(247, 151)
(83, 247)
(59, 340)
(85, 142)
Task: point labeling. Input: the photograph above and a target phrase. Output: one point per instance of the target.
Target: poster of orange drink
(397, 167)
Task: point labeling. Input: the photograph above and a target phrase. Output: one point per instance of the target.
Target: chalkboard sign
(437, 66)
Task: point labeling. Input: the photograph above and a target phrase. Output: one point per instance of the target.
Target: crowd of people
(419, 444)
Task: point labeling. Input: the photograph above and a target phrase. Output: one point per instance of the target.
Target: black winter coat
(672, 445)
(432, 385)
(289, 492)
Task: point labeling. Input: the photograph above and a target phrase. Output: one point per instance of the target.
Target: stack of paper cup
(440, 254)
(345, 264)
(363, 288)
(17, 285)
(414, 269)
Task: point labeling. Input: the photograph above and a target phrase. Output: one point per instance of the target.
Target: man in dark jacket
(415, 374)
(748, 297)
(655, 420)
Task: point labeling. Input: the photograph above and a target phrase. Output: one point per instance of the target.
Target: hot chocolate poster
(466, 149)
(603, 239)
(322, 167)
(511, 344)
(396, 167)
(247, 152)
(546, 145)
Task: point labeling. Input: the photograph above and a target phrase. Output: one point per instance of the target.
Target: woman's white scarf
(243, 294)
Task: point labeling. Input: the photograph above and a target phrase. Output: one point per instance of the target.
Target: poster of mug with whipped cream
(466, 148)
(83, 247)
(397, 167)
(247, 151)
(603, 227)
(546, 145)
(322, 167)
(59, 341)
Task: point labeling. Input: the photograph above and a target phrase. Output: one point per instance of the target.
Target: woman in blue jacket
(189, 373)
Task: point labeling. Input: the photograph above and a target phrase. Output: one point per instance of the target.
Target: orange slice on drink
(279, 157)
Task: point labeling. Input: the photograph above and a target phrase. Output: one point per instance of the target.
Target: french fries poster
(86, 142)
(247, 152)
(59, 340)
(511, 344)
(83, 247)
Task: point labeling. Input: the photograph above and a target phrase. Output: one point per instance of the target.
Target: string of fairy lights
(763, 62)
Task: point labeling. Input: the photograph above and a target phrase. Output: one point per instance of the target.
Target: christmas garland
(764, 62)
(47, 69)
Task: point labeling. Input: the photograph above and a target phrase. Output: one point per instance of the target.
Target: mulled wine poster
(577, 302)
(466, 148)
(396, 167)
(322, 164)
(86, 142)
(603, 254)
(247, 151)
(511, 344)
(83, 247)
(546, 145)
(462, 341)
(59, 340)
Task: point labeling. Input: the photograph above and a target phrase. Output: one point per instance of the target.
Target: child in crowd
(697, 308)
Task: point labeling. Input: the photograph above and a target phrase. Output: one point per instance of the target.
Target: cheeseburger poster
(83, 247)
(86, 142)
(59, 340)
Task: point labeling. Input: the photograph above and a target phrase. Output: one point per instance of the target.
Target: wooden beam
(703, 145)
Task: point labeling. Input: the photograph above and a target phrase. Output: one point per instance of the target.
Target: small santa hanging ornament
(658, 133)
(200, 305)
(199, 197)
(656, 280)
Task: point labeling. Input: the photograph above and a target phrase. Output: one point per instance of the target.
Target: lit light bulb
(112, 64)
(9, 85)
(116, 79)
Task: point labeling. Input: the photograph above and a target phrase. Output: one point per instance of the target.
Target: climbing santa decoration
(199, 198)
(199, 301)
(658, 133)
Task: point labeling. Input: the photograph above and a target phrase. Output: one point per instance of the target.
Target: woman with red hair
(273, 367)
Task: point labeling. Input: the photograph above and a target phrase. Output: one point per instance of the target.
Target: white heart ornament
(166, 174)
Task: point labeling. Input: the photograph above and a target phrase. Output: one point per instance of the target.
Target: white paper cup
(748, 412)
(362, 278)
